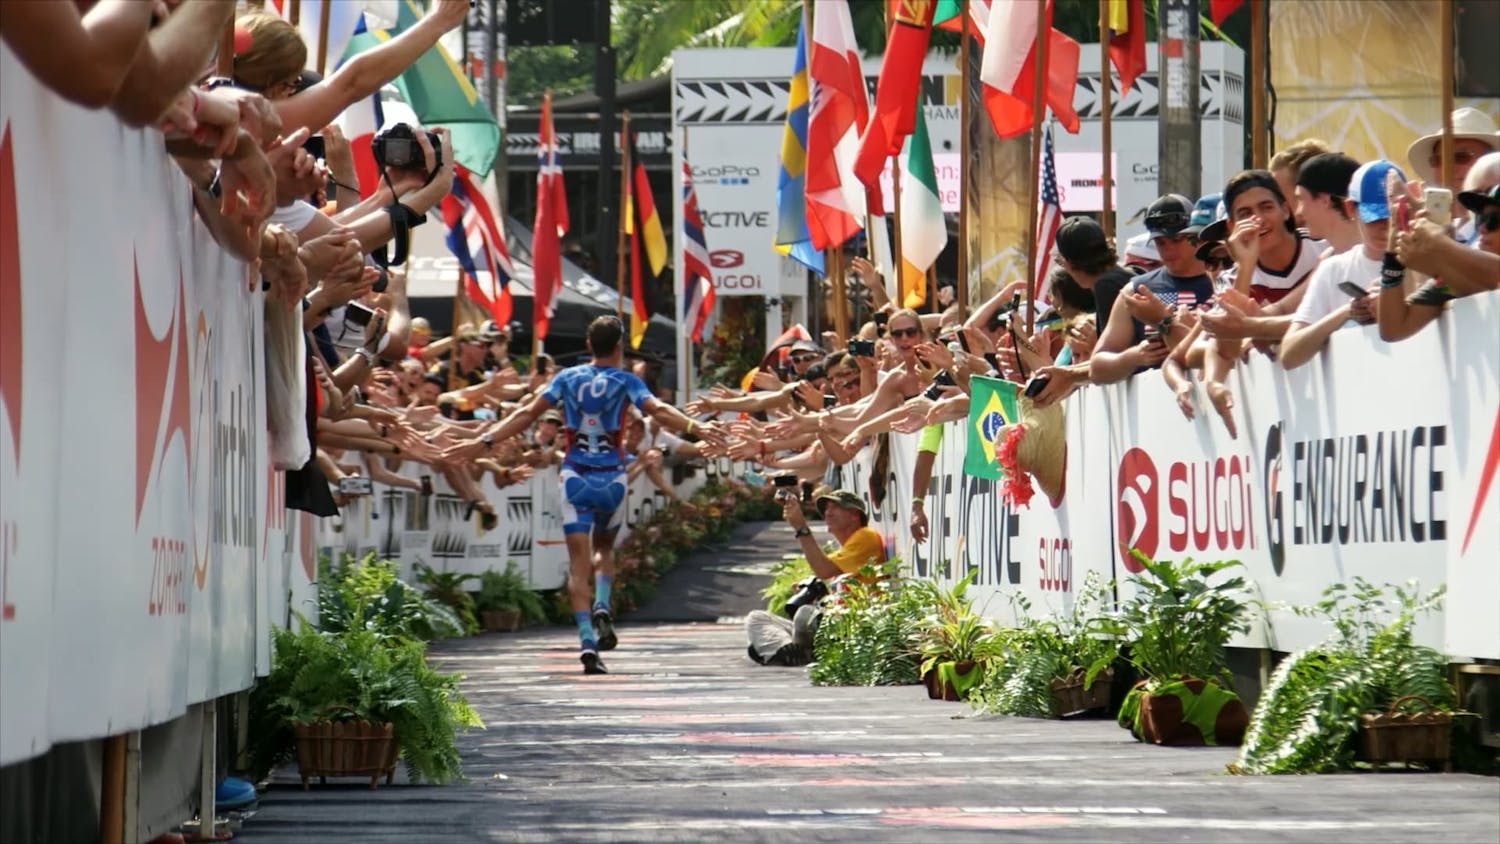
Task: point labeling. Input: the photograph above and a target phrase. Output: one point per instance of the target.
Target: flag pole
(1259, 155)
(625, 212)
(840, 307)
(225, 62)
(684, 342)
(932, 288)
(897, 265)
(1445, 145)
(458, 292)
(1038, 112)
(294, 12)
(962, 289)
(1106, 89)
(323, 13)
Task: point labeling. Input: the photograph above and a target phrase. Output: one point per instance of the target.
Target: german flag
(643, 225)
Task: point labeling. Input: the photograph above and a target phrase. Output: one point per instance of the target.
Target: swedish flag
(792, 238)
(992, 407)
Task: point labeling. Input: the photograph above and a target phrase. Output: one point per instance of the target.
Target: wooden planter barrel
(501, 621)
(1071, 698)
(346, 749)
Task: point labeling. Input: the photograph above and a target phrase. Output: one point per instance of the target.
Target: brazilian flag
(992, 406)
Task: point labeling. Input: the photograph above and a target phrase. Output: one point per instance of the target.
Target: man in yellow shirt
(775, 640)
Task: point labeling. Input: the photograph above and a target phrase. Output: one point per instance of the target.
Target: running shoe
(592, 664)
(604, 627)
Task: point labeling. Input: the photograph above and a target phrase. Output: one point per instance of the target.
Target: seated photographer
(776, 640)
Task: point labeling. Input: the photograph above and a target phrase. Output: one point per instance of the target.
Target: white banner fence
(146, 553)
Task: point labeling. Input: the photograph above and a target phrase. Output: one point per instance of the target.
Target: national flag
(947, 13)
(924, 231)
(1047, 221)
(439, 93)
(478, 244)
(897, 94)
(1221, 9)
(792, 237)
(1009, 68)
(836, 201)
(550, 225)
(643, 225)
(1127, 39)
(344, 17)
(697, 278)
(992, 407)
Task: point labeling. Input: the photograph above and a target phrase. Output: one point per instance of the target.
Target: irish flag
(923, 230)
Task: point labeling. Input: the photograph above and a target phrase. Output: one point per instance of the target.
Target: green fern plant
(785, 575)
(1307, 719)
(447, 588)
(509, 591)
(1181, 617)
(867, 636)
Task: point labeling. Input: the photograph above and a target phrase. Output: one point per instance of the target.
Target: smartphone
(314, 147)
(383, 281)
(784, 481)
(1353, 290)
(881, 318)
(830, 401)
(943, 379)
(1035, 386)
(862, 348)
(356, 485)
(1439, 205)
(357, 314)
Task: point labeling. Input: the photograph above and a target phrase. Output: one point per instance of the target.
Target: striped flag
(550, 225)
(1009, 67)
(792, 237)
(1127, 39)
(478, 244)
(924, 231)
(697, 279)
(1047, 221)
(643, 225)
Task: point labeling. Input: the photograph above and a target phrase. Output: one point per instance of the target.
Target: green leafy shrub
(1307, 719)
(1179, 622)
(785, 576)
(867, 635)
(509, 591)
(447, 588)
(367, 594)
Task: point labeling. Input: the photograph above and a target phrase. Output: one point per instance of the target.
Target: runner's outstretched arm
(680, 423)
(515, 423)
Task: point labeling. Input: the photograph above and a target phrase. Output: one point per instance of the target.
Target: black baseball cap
(1327, 173)
(1081, 239)
(1476, 200)
(1169, 215)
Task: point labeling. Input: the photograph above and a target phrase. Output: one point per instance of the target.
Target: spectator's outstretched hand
(765, 380)
(712, 433)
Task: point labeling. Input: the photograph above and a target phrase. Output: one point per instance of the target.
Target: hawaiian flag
(478, 244)
(697, 278)
(551, 224)
(1047, 222)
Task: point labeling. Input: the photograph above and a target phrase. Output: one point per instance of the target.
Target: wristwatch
(1165, 326)
(803, 531)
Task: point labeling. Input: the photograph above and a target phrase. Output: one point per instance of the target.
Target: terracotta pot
(1162, 720)
(939, 688)
(501, 621)
(346, 749)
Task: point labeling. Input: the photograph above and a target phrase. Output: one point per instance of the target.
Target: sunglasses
(905, 332)
(1460, 156)
(1489, 221)
(1218, 262)
(1168, 220)
(803, 358)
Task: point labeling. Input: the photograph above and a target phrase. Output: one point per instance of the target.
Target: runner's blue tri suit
(594, 401)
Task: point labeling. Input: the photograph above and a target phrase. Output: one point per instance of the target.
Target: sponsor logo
(1272, 470)
(747, 281)
(1135, 511)
(737, 219)
(725, 174)
(725, 259)
(1366, 488)
(1207, 505)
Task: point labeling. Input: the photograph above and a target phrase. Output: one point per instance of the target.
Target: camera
(1004, 311)
(398, 147)
(314, 147)
(1035, 386)
(881, 318)
(784, 481)
(356, 485)
(862, 348)
(939, 381)
(357, 314)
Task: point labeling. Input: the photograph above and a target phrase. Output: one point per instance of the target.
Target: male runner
(595, 397)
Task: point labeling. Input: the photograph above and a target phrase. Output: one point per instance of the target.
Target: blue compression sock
(586, 635)
(602, 582)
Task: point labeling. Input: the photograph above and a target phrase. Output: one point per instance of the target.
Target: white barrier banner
(132, 453)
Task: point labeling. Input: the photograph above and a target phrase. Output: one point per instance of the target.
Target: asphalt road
(687, 740)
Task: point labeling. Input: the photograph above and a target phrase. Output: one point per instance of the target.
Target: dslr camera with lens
(398, 147)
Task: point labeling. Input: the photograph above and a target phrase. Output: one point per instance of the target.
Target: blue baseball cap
(1367, 189)
(1205, 211)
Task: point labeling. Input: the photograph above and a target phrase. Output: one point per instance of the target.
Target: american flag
(697, 279)
(1173, 298)
(476, 241)
(1047, 222)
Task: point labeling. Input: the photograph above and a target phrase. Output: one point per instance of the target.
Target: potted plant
(1053, 667)
(505, 600)
(1367, 694)
(1178, 622)
(447, 588)
(953, 641)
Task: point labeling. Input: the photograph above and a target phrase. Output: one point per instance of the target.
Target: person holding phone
(1338, 294)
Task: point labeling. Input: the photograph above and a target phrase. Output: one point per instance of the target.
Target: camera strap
(403, 220)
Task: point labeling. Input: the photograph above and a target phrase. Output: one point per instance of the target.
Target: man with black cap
(1086, 254)
(1144, 325)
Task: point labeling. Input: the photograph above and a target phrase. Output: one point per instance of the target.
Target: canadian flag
(836, 199)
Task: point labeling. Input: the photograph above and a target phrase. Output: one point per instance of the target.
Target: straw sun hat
(1034, 447)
